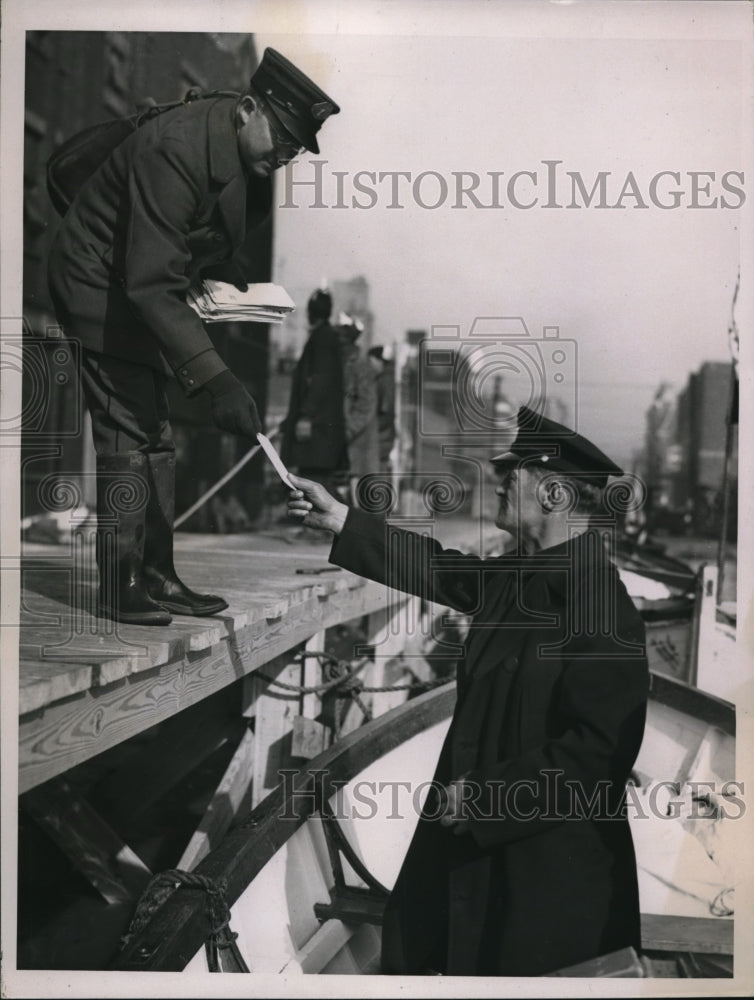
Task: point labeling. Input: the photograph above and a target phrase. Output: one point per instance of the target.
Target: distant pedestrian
(384, 370)
(314, 431)
(360, 407)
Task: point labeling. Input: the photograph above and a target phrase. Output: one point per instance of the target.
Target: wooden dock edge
(61, 735)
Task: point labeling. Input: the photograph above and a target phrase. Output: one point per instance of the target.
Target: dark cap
(295, 100)
(550, 445)
(319, 305)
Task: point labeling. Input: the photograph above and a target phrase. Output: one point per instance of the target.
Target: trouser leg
(163, 584)
(130, 414)
(128, 405)
(122, 496)
(129, 421)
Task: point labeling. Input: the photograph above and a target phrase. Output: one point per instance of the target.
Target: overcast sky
(644, 292)
(442, 87)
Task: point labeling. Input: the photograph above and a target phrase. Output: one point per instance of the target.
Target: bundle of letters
(219, 302)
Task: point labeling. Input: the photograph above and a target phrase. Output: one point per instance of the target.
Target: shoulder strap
(148, 109)
(74, 162)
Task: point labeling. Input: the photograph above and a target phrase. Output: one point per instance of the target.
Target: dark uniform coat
(548, 722)
(170, 204)
(317, 394)
(385, 383)
(360, 410)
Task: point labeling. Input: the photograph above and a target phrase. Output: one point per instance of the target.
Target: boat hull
(279, 869)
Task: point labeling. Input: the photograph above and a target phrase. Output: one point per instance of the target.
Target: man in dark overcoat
(314, 430)
(522, 862)
(384, 373)
(177, 200)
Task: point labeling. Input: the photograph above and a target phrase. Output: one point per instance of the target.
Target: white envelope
(275, 459)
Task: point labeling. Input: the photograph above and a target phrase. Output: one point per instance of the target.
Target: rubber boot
(162, 581)
(122, 494)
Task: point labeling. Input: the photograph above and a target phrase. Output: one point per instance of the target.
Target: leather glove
(233, 409)
(229, 272)
(235, 274)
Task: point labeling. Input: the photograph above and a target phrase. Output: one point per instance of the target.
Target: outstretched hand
(233, 409)
(311, 504)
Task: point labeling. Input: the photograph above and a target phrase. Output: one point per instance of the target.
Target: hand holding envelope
(310, 501)
(312, 505)
(276, 460)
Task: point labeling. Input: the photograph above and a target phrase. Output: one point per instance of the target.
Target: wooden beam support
(227, 800)
(180, 746)
(703, 632)
(623, 964)
(387, 631)
(276, 708)
(321, 948)
(310, 738)
(352, 905)
(311, 704)
(59, 736)
(692, 701)
(704, 935)
(92, 846)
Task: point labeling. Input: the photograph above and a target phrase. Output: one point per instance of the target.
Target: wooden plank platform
(669, 932)
(87, 684)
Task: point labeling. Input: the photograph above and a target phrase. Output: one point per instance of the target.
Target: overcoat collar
(564, 567)
(547, 579)
(222, 139)
(226, 168)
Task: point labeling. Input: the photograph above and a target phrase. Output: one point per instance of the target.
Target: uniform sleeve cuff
(194, 374)
(366, 528)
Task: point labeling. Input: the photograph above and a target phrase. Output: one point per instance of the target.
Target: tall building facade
(687, 444)
(701, 436)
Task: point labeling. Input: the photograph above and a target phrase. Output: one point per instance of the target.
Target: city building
(684, 458)
(703, 408)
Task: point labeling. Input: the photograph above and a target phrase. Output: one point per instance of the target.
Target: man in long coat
(384, 373)
(524, 864)
(359, 407)
(176, 200)
(314, 430)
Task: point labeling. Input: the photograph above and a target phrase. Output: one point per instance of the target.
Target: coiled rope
(218, 912)
(345, 684)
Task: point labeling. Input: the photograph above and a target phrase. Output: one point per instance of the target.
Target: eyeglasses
(284, 143)
(507, 476)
